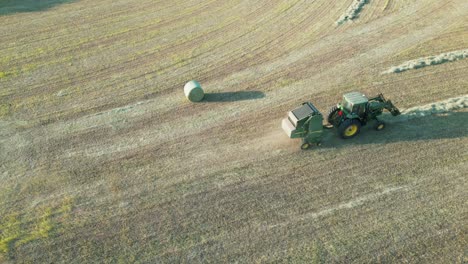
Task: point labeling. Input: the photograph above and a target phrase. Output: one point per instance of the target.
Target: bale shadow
(430, 127)
(18, 6)
(233, 96)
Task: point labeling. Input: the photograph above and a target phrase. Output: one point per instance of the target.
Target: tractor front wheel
(379, 126)
(349, 128)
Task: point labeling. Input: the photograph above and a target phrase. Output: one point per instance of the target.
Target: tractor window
(359, 109)
(346, 105)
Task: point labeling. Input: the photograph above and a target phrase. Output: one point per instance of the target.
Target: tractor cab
(354, 103)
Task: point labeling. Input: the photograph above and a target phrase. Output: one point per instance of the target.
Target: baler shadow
(18, 6)
(430, 127)
(233, 96)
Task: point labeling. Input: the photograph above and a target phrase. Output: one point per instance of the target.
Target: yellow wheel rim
(305, 146)
(351, 130)
(380, 126)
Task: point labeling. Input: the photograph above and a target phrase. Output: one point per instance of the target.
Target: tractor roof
(355, 98)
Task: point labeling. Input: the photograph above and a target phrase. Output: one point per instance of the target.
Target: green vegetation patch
(10, 232)
(5, 74)
(18, 229)
(4, 109)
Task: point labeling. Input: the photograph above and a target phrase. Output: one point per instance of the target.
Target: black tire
(305, 146)
(379, 125)
(332, 115)
(349, 128)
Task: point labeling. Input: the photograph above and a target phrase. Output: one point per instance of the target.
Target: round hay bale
(193, 91)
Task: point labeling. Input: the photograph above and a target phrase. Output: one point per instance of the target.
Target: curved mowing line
(428, 61)
(353, 11)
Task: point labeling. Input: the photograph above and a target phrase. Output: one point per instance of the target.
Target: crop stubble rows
(156, 178)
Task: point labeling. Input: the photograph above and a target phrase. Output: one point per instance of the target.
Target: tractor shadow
(403, 129)
(233, 96)
(19, 6)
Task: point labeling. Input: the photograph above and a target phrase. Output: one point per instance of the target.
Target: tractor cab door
(359, 109)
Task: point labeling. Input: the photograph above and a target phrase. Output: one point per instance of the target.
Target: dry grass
(104, 160)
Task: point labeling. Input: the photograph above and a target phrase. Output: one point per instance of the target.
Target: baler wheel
(305, 145)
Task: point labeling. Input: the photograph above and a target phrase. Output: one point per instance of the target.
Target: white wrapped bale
(193, 91)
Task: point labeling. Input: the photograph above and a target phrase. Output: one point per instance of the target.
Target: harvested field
(103, 159)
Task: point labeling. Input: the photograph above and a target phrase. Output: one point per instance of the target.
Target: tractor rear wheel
(379, 126)
(332, 115)
(349, 128)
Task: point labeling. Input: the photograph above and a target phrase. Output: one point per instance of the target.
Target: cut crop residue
(352, 12)
(440, 107)
(428, 61)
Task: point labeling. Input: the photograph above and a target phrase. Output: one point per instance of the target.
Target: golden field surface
(103, 159)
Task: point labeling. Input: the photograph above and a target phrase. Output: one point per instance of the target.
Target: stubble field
(102, 159)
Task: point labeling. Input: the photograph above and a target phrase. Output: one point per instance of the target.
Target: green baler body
(304, 122)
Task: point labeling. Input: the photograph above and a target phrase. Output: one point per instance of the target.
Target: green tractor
(354, 111)
(357, 110)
